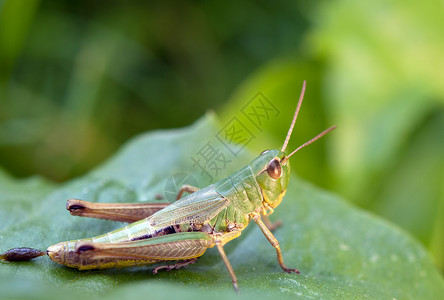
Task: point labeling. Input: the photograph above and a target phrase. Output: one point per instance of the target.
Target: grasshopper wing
(197, 207)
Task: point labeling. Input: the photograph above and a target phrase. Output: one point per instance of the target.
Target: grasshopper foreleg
(175, 266)
(265, 212)
(273, 241)
(271, 225)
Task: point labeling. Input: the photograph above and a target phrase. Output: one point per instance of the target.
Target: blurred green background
(79, 79)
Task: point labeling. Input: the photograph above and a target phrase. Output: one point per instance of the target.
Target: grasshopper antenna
(309, 142)
(298, 107)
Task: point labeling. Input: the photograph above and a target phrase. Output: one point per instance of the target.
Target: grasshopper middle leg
(186, 188)
(176, 266)
(228, 265)
(220, 241)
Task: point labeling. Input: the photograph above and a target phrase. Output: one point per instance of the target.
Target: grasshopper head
(272, 167)
(273, 173)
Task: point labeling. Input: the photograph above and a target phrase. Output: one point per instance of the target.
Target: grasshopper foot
(290, 270)
(236, 287)
(175, 266)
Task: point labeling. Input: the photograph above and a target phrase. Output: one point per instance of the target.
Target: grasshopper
(184, 230)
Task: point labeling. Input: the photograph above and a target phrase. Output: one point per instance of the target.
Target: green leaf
(341, 251)
(421, 169)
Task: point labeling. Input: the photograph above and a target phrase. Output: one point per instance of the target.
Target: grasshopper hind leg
(122, 212)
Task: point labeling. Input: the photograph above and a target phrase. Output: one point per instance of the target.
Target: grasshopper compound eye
(274, 169)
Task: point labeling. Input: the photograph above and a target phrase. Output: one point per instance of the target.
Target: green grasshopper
(185, 229)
